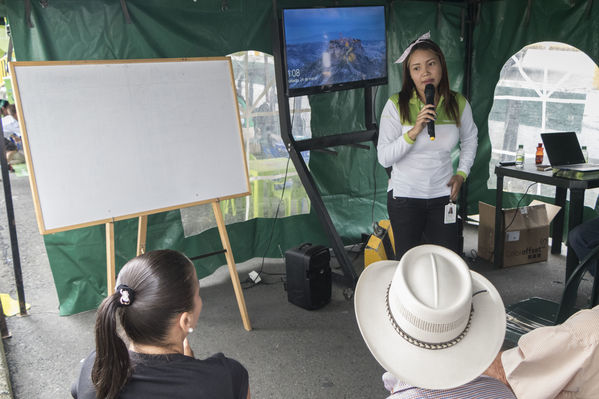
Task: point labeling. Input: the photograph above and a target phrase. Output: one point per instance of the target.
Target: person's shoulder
(215, 365)
(460, 99)
(484, 386)
(234, 369)
(82, 387)
(90, 359)
(585, 318)
(392, 104)
(220, 358)
(237, 373)
(584, 326)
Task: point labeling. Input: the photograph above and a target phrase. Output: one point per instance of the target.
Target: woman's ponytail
(153, 290)
(112, 367)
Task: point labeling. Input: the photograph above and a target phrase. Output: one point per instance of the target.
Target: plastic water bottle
(520, 156)
(585, 152)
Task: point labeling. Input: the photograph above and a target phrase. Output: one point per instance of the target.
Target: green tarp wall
(98, 29)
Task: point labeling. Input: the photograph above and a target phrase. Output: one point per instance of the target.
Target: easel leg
(222, 230)
(110, 258)
(142, 229)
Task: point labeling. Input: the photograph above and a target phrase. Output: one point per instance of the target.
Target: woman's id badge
(450, 213)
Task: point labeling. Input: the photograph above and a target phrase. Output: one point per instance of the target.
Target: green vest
(415, 105)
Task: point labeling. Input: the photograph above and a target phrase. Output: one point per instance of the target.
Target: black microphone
(429, 93)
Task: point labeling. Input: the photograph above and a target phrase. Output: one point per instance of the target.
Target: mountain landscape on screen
(341, 60)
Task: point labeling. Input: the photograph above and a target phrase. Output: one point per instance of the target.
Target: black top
(173, 376)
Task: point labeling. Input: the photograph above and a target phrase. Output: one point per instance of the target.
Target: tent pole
(469, 36)
(12, 229)
(471, 6)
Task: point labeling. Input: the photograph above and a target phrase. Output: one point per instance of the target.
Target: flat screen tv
(333, 48)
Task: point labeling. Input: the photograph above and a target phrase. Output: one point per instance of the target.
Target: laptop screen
(562, 148)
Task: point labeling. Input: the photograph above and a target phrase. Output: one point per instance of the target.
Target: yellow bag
(381, 245)
(11, 306)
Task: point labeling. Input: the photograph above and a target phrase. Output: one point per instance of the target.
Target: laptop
(563, 152)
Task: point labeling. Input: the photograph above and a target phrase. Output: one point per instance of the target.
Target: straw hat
(428, 319)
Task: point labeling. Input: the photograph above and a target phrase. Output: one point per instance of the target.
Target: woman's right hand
(426, 115)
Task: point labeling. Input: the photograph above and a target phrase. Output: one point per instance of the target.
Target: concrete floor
(291, 352)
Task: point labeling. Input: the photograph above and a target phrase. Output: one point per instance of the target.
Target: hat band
(422, 344)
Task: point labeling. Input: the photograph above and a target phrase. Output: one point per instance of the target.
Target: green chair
(531, 313)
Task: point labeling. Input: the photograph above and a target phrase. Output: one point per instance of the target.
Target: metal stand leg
(558, 221)
(574, 219)
(499, 233)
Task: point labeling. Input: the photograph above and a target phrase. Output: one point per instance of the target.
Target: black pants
(420, 221)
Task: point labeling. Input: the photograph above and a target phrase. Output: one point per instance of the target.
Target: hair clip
(127, 295)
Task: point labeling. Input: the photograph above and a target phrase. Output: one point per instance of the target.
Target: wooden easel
(141, 248)
(189, 82)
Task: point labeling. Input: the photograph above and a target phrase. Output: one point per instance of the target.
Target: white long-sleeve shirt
(10, 126)
(422, 168)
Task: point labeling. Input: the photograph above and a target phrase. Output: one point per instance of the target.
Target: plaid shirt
(482, 387)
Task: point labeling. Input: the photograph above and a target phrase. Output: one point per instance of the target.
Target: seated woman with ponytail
(156, 305)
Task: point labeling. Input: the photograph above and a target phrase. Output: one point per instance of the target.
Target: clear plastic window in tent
(275, 186)
(545, 87)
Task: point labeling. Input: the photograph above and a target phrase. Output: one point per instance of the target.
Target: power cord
(472, 258)
(257, 280)
(515, 213)
(276, 274)
(518, 205)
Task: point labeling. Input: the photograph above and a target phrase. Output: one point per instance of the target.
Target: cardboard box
(526, 232)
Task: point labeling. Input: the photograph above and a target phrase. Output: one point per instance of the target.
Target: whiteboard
(111, 140)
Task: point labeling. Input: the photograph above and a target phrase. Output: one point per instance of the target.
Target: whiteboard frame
(15, 67)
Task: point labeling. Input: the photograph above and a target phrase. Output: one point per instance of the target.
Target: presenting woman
(157, 304)
(423, 186)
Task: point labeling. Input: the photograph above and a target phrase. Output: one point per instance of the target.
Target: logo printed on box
(530, 252)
